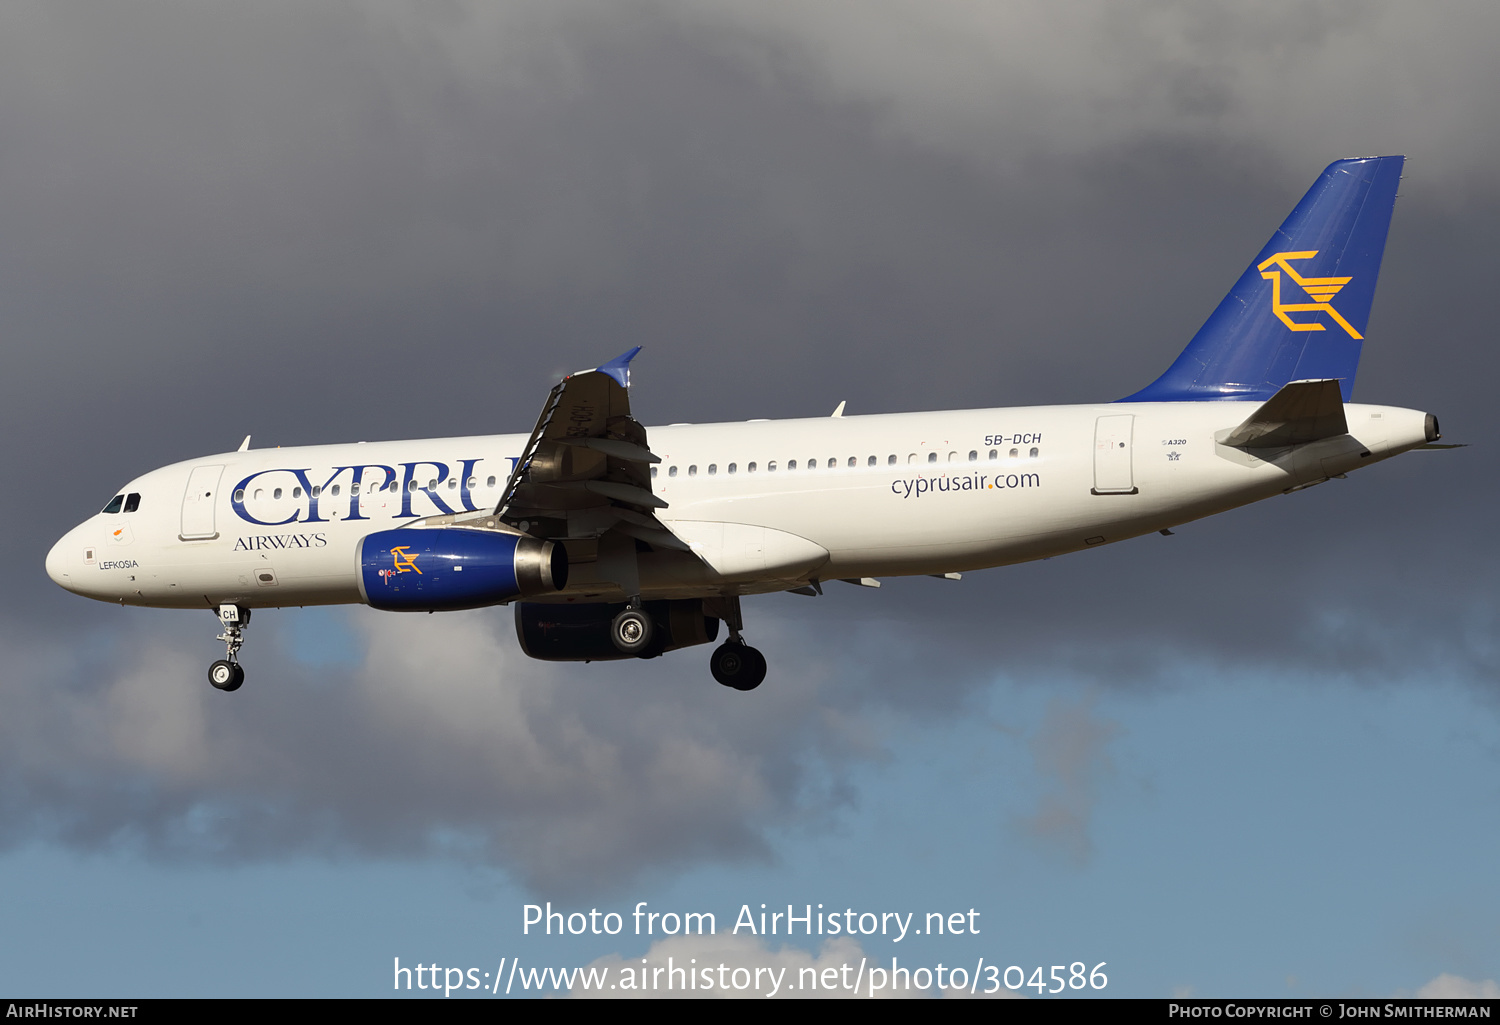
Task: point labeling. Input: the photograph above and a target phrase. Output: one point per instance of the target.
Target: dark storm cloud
(441, 739)
(1070, 753)
(340, 222)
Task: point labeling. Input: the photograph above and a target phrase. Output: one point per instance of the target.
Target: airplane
(616, 541)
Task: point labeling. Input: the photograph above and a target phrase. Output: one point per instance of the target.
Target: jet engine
(442, 568)
(583, 633)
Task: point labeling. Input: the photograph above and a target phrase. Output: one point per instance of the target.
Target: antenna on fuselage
(244, 445)
(840, 410)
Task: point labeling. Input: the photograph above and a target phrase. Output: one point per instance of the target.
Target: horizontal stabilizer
(1300, 412)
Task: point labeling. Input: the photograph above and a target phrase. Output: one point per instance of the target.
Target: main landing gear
(734, 663)
(632, 631)
(227, 673)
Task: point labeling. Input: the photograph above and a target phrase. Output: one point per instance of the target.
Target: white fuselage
(764, 505)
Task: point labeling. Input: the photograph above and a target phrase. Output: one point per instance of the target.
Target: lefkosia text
(865, 978)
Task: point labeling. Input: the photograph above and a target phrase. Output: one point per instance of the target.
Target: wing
(586, 468)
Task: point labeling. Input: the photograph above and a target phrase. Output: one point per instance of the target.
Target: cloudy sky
(1258, 757)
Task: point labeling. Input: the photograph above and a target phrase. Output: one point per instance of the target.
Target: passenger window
(653, 472)
(452, 483)
(870, 461)
(713, 468)
(317, 490)
(296, 492)
(336, 490)
(473, 483)
(812, 464)
(239, 496)
(1033, 453)
(1015, 454)
(771, 466)
(932, 457)
(911, 459)
(693, 471)
(114, 504)
(952, 457)
(432, 484)
(411, 486)
(791, 464)
(672, 471)
(353, 490)
(132, 502)
(490, 482)
(731, 467)
(750, 468)
(259, 494)
(973, 456)
(853, 461)
(891, 461)
(994, 454)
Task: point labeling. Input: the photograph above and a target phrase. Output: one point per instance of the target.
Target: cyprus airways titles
(614, 541)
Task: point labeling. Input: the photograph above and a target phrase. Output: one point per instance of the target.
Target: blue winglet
(1300, 309)
(619, 367)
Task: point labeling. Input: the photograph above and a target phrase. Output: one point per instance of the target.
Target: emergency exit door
(1112, 455)
(198, 503)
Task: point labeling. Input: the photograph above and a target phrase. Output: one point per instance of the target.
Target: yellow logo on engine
(1320, 290)
(405, 563)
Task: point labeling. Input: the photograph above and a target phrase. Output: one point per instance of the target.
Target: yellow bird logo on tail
(1320, 290)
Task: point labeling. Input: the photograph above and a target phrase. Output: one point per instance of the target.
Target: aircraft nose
(60, 562)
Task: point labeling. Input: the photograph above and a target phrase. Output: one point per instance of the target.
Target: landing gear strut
(734, 663)
(227, 673)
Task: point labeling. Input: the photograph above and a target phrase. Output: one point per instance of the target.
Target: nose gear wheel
(227, 674)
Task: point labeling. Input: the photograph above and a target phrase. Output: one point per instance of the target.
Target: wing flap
(586, 468)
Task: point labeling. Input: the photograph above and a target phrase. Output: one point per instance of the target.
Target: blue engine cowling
(444, 568)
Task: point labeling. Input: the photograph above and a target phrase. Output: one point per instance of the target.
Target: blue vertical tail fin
(1300, 309)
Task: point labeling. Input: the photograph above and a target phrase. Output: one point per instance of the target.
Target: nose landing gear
(227, 674)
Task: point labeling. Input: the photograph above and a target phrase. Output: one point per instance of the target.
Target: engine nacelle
(443, 568)
(580, 633)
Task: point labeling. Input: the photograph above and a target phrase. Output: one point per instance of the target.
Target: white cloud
(444, 739)
(1456, 987)
(728, 966)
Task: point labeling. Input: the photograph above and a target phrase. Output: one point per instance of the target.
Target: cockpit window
(132, 502)
(114, 504)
